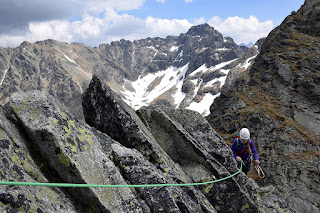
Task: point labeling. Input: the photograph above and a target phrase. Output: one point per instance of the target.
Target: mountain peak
(124, 65)
(201, 30)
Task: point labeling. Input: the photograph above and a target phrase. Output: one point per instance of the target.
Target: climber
(242, 148)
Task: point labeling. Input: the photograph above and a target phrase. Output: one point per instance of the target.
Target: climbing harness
(115, 186)
(259, 170)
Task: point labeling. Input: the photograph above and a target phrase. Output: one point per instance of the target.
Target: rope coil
(114, 186)
(259, 171)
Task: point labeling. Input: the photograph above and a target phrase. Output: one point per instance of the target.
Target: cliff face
(43, 142)
(278, 100)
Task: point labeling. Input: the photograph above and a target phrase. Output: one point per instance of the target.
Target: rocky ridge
(42, 142)
(65, 70)
(278, 100)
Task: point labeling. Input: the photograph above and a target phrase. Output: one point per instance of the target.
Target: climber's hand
(238, 159)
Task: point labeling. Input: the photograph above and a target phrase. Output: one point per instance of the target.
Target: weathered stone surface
(202, 155)
(139, 170)
(72, 152)
(17, 164)
(107, 113)
(240, 65)
(42, 142)
(278, 100)
(172, 146)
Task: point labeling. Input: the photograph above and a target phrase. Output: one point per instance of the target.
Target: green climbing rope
(114, 186)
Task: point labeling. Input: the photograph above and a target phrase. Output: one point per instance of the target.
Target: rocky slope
(152, 70)
(42, 142)
(277, 97)
(278, 100)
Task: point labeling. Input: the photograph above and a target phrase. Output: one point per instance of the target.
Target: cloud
(188, 1)
(93, 31)
(165, 27)
(198, 21)
(161, 1)
(16, 15)
(11, 40)
(102, 22)
(58, 30)
(242, 30)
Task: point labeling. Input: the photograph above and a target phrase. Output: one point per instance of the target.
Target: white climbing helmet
(244, 134)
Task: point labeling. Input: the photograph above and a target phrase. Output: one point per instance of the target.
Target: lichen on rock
(72, 151)
(172, 145)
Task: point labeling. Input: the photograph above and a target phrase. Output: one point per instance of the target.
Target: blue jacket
(239, 149)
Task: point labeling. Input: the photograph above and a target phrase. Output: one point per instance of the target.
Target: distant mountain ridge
(190, 69)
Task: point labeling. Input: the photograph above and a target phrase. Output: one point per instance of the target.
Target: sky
(95, 22)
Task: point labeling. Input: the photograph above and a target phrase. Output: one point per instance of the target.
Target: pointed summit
(201, 30)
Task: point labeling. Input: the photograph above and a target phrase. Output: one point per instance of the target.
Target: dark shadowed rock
(278, 100)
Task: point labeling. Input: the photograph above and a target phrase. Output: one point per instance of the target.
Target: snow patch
(151, 47)
(174, 48)
(222, 49)
(179, 56)
(151, 86)
(4, 76)
(222, 81)
(203, 107)
(221, 65)
(155, 54)
(197, 89)
(179, 95)
(225, 71)
(201, 69)
(69, 59)
(195, 81)
(248, 62)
